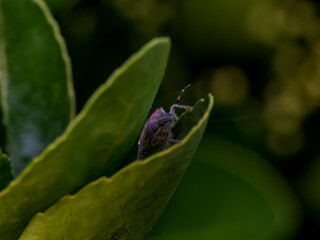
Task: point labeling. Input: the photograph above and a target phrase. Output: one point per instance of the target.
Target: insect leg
(174, 141)
(179, 106)
(167, 142)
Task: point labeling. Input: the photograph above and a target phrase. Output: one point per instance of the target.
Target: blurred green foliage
(32, 54)
(218, 199)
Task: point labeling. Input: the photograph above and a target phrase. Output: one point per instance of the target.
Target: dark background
(260, 60)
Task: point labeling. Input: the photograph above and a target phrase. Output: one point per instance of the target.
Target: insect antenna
(182, 91)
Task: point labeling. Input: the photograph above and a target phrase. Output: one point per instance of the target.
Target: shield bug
(156, 132)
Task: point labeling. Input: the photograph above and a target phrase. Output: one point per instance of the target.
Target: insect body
(156, 132)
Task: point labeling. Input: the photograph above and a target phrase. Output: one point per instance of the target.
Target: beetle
(156, 132)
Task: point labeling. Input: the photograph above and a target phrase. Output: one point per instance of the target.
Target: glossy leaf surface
(36, 79)
(126, 205)
(95, 142)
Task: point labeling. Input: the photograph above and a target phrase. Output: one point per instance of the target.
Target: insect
(156, 132)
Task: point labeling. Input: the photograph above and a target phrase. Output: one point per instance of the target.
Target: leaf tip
(163, 41)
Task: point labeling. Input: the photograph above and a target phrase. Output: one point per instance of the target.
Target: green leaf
(36, 84)
(95, 142)
(229, 193)
(6, 174)
(128, 203)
